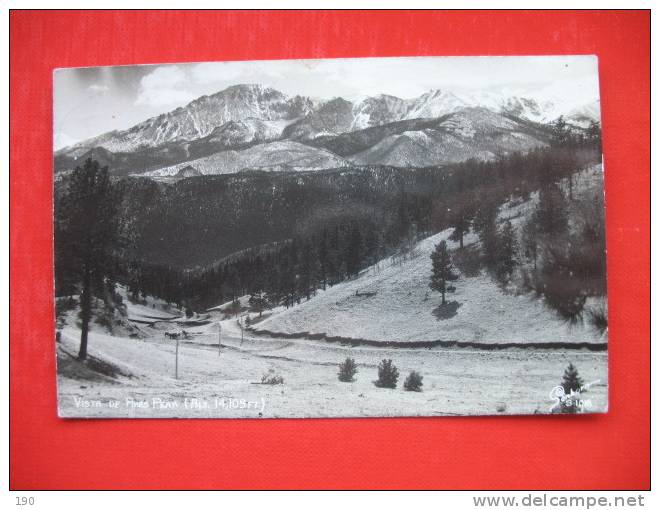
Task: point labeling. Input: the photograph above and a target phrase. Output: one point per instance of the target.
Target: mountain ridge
(299, 117)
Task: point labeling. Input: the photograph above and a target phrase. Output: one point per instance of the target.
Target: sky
(89, 101)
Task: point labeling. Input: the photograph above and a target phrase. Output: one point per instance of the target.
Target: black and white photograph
(364, 237)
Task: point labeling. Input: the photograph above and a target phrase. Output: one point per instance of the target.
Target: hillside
(391, 301)
(281, 155)
(195, 377)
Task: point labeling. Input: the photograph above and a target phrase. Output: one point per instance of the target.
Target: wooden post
(219, 339)
(241, 325)
(176, 360)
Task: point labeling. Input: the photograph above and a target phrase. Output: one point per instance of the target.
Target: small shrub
(571, 381)
(572, 386)
(347, 370)
(413, 382)
(388, 374)
(271, 377)
(565, 295)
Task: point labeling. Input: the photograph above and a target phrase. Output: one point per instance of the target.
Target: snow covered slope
(467, 133)
(395, 304)
(281, 155)
(456, 381)
(378, 110)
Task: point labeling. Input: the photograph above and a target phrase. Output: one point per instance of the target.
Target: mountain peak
(259, 112)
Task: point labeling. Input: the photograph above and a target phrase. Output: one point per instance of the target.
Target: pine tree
(592, 134)
(353, 251)
(413, 382)
(572, 384)
(308, 272)
(530, 240)
(372, 246)
(459, 218)
(552, 211)
(388, 374)
(287, 283)
(486, 227)
(233, 281)
(571, 380)
(560, 132)
(410, 241)
(403, 215)
(87, 234)
(347, 370)
(259, 302)
(443, 269)
(234, 308)
(323, 259)
(506, 252)
(334, 263)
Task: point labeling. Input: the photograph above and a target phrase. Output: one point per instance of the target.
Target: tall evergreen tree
(88, 234)
(259, 302)
(485, 225)
(506, 252)
(308, 272)
(353, 251)
(460, 219)
(592, 134)
(323, 258)
(443, 269)
(552, 211)
(560, 132)
(530, 240)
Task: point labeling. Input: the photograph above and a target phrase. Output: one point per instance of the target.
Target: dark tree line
(560, 248)
(286, 274)
(465, 196)
(285, 236)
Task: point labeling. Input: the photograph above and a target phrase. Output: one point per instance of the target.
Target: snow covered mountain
(467, 133)
(217, 133)
(263, 113)
(378, 110)
(435, 103)
(201, 116)
(333, 117)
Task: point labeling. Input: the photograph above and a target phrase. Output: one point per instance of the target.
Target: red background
(595, 452)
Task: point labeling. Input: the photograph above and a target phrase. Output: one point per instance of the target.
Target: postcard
(367, 237)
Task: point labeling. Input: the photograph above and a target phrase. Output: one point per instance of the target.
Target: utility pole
(176, 360)
(219, 339)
